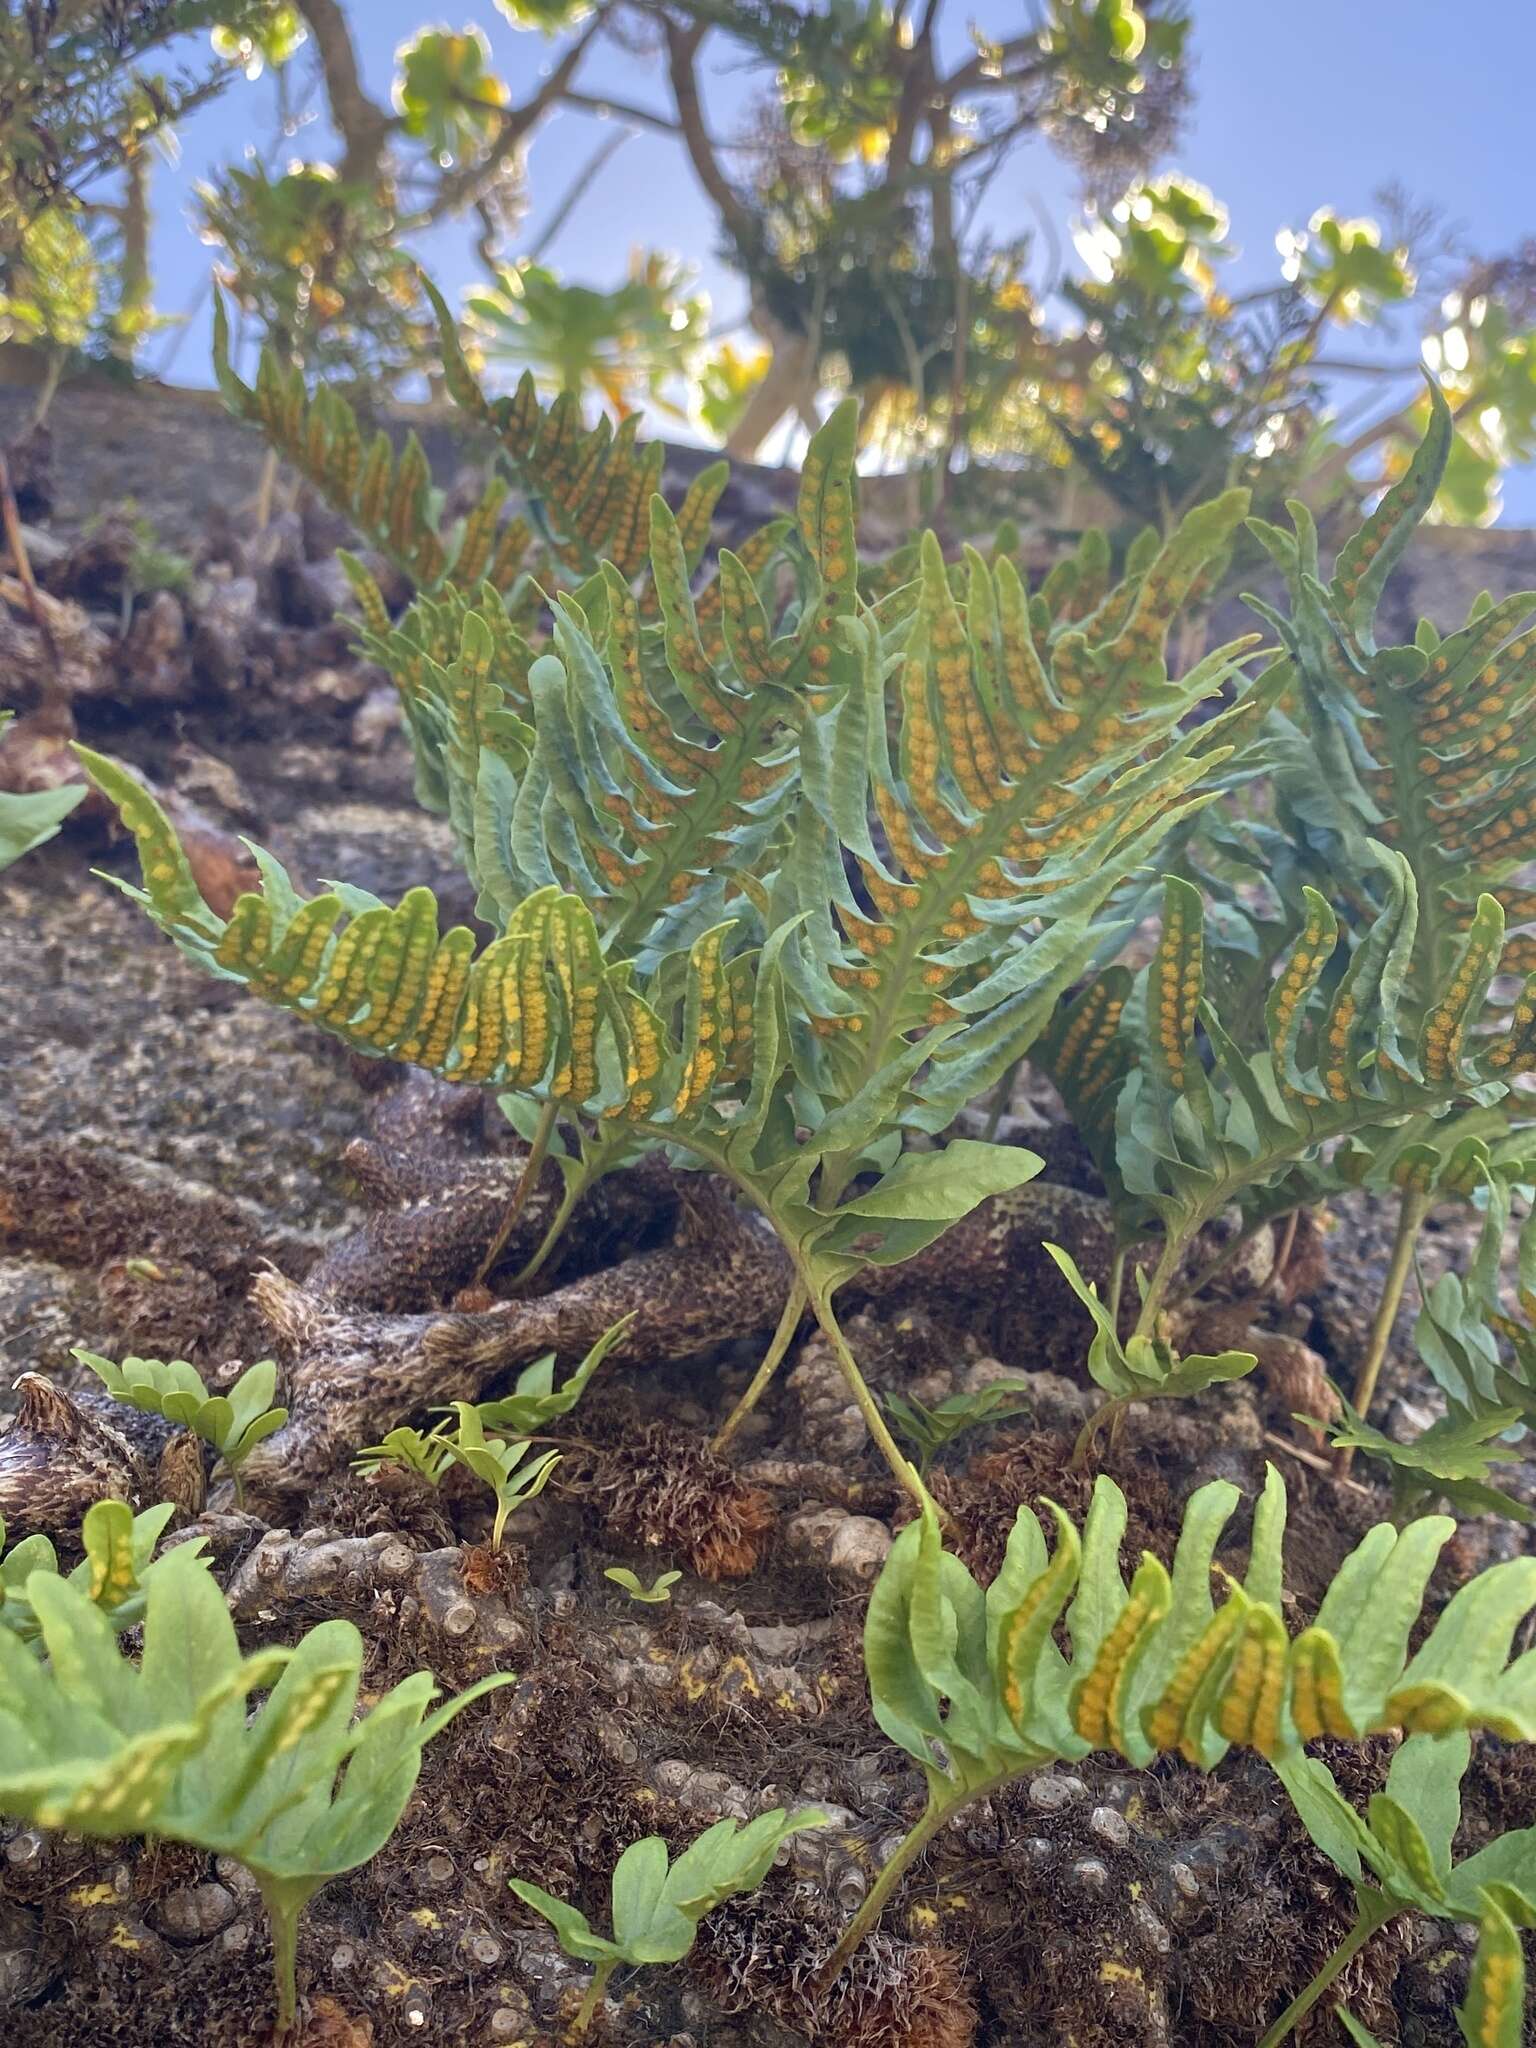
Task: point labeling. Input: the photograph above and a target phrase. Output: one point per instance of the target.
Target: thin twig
(10, 517)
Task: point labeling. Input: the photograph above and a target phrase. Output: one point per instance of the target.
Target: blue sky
(1318, 102)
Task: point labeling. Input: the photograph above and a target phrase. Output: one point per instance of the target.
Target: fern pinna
(662, 834)
(1059, 1657)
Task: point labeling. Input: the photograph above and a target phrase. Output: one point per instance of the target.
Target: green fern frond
(1183, 1118)
(1405, 1840)
(536, 1008)
(587, 489)
(1024, 783)
(1060, 1657)
(1427, 748)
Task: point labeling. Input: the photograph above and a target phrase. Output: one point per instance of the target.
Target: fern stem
(912, 1846)
(576, 1187)
(1169, 1261)
(864, 1400)
(783, 1337)
(283, 1917)
(1082, 1448)
(1002, 1095)
(1373, 1910)
(528, 1180)
(1195, 1287)
(1110, 1411)
(1414, 1207)
(594, 1996)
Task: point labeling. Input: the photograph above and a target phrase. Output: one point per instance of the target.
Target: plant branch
(737, 217)
(462, 186)
(605, 108)
(579, 187)
(364, 125)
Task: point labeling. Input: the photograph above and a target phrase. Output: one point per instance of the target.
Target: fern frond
(1428, 748)
(387, 496)
(972, 1684)
(587, 489)
(1024, 783)
(1184, 1119)
(539, 1009)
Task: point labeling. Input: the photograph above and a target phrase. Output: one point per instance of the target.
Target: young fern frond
(977, 1687)
(118, 1565)
(296, 1792)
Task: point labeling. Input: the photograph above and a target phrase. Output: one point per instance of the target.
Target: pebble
(196, 1912)
(1051, 1791)
(1110, 1826)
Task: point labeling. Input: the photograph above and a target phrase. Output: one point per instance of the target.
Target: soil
(165, 1143)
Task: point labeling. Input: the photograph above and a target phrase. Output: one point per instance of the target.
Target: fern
(1490, 1396)
(980, 1687)
(119, 1563)
(1405, 1841)
(1343, 1055)
(1424, 748)
(662, 838)
(92, 1743)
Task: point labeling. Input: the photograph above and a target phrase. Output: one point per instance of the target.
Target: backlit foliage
(1425, 748)
(588, 490)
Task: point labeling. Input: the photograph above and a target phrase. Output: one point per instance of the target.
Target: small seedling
(931, 1430)
(504, 1467)
(651, 1596)
(119, 1562)
(656, 1909)
(536, 1401)
(92, 1743)
(234, 1423)
(428, 1456)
